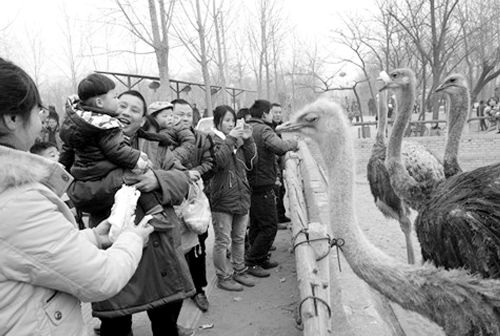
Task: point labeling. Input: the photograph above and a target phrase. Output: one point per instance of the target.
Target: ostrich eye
(311, 118)
(453, 80)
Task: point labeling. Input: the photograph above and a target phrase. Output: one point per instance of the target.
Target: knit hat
(158, 106)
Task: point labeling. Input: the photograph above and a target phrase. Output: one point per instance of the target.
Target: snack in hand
(123, 210)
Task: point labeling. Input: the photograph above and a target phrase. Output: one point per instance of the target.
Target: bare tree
(197, 47)
(157, 37)
(220, 39)
(36, 55)
(429, 24)
(69, 51)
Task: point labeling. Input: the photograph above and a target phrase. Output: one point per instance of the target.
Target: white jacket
(46, 265)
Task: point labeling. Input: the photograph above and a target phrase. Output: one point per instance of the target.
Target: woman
(235, 153)
(47, 266)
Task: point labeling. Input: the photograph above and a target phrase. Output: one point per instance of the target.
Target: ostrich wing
(421, 164)
(460, 226)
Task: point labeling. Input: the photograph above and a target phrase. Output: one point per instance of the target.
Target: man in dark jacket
(263, 216)
(199, 165)
(162, 279)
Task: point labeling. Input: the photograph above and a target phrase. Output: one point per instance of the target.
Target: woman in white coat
(47, 266)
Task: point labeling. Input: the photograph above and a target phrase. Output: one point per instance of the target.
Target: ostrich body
(456, 87)
(458, 224)
(419, 163)
(463, 304)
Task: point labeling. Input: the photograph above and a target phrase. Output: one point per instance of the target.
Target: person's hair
(93, 86)
(219, 113)
(53, 115)
(179, 101)
(260, 107)
(275, 105)
(40, 147)
(481, 102)
(242, 113)
(18, 92)
(136, 94)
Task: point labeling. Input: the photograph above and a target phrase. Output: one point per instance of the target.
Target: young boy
(45, 149)
(161, 117)
(92, 131)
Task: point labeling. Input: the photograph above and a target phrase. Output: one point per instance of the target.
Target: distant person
(48, 266)
(262, 178)
(196, 116)
(50, 133)
(480, 113)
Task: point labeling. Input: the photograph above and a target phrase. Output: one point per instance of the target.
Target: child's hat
(158, 106)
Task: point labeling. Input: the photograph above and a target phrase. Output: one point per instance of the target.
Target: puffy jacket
(269, 144)
(202, 159)
(162, 275)
(46, 265)
(98, 149)
(229, 188)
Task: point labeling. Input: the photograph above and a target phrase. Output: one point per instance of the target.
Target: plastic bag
(123, 210)
(195, 209)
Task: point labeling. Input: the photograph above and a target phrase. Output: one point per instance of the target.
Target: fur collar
(18, 168)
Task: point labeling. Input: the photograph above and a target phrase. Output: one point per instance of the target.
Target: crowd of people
(107, 139)
(491, 110)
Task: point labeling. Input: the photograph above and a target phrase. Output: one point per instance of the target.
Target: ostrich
(419, 163)
(463, 304)
(456, 87)
(458, 224)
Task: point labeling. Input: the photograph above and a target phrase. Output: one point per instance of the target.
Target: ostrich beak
(440, 88)
(290, 126)
(384, 81)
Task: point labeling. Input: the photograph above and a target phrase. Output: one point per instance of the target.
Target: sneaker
(258, 271)
(229, 285)
(200, 299)
(269, 264)
(243, 279)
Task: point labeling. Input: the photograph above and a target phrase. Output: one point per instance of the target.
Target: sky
(31, 23)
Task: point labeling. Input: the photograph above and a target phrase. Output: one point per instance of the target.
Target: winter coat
(269, 144)
(229, 188)
(162, 275)
(97, 141)
(202, 159)
(47, 265)
(182, 142)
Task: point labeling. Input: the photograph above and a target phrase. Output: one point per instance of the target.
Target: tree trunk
(204, 60)
(161, 50)
(219, 30)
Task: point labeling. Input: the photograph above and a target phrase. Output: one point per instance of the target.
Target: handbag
(195, 209)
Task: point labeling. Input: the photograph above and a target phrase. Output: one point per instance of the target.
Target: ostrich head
(397, 79)
(316, 120)
(453, 84)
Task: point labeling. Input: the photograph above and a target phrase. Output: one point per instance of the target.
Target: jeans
(228, 229)
(263, 226)
(163, 321)
(196, 260)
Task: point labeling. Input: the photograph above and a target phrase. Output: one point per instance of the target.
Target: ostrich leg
(405, 224)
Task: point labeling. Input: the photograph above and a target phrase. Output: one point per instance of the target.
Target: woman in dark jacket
(235, 153)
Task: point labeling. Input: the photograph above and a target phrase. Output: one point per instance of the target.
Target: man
(279, 186)
(200, 165)
(162, 279)
(262, 178)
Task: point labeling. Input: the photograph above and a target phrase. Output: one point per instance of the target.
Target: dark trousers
(196, 260)
(263, 226)
(163, 321)
(280, 207)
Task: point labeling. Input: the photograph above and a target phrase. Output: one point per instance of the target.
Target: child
(162, 119)
(45, 149)
(92, 131)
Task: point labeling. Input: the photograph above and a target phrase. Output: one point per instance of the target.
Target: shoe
(243, 279)
(284, 219)
(258, 271)
(184, 331)
(229, 285)
(273, 248)
(282, 226)
(200, 299)
(269, 264)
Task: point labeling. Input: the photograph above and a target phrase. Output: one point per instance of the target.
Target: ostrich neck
(405, 101)
(382, 117)
(457, 115)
